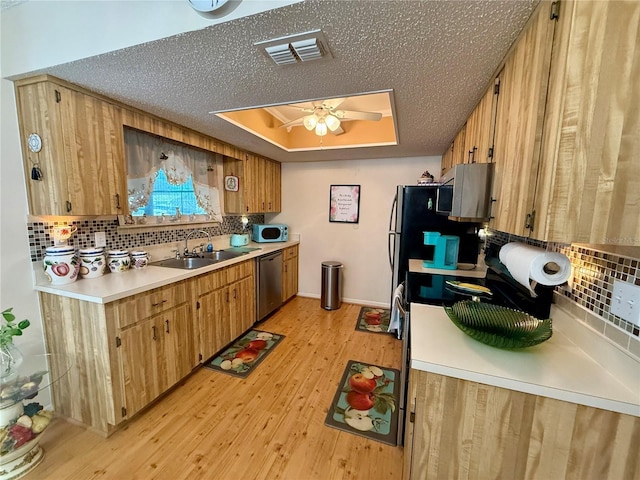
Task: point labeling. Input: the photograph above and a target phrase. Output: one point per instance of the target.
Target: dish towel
(394, 322)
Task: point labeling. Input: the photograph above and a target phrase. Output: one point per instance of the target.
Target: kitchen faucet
(186, 242)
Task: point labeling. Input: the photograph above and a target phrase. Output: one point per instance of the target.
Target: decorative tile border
(120, 238)
(590, 288)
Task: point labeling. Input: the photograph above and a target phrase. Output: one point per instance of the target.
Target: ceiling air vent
(302, 47)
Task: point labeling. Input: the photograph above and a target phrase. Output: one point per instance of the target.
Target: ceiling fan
(326, 116)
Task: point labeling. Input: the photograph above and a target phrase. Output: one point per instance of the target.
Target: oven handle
(401, 309)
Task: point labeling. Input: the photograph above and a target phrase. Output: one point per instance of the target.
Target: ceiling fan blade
(300, 109)
(353, 115)
(293, 123)
(333, 103)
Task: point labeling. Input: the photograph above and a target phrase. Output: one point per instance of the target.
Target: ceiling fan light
(321, 128)
(310, 122)
(333, 123)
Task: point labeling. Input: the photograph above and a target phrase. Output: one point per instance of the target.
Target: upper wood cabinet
(82, 157)
(259, 185)
(588, 187)
(519, 120)
(567, 149)
(478, 136)
(447, 160)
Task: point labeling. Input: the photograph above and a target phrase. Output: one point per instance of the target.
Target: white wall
(361, 247)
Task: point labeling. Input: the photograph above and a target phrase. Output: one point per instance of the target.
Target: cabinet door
(213, 324)
(519, 119)
(275, 187)
(177, 358)
(459, 153)
(93, 146)
(139, 355)
(588, 184)
(290, 274)
(39, 114)
(478, 137)
(447, 160)
(242, 306)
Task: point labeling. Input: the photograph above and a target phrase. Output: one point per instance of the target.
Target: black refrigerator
(414, 212)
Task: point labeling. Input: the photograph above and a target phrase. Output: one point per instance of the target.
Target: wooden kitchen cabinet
(464, 429)
(155, 354)
(447, 160)
(289, 272)
(225, 306)
(479, 130)
(519, 120)
(82, 156)
(259, 185)
(566, 146)
(587, 189)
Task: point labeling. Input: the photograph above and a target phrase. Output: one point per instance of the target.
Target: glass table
(22, 418)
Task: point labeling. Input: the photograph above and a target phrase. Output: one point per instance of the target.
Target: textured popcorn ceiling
(438, 57)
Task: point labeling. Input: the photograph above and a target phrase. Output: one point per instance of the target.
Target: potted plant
(10, 356)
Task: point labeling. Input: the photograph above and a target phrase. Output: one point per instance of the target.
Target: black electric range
(433, 289)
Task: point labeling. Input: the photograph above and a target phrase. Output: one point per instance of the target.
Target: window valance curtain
(147, 154)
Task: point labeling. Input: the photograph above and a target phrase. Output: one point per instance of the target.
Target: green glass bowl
(499, 326)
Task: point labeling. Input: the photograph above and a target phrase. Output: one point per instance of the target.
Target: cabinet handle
(68, 206)
(118, 207)
(227, 296)
(158, 304)
(234, 294)
(285, 269)
(412, 417)
(247, 207)
(166, 322)
(153, 329)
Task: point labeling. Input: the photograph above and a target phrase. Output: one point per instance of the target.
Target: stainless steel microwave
(276, 232)
(465, 193)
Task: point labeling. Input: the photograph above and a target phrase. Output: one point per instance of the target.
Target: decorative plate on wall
(231, 183)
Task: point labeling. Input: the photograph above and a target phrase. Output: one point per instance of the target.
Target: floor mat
(241, 358)
(366, 402)
(373, 319)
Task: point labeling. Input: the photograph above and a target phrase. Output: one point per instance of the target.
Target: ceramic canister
(139, 259)
(118, 260)
(61, 264)
(93, 262)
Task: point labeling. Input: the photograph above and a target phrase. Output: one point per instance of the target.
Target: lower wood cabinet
(225, 306)
(289, 272)
(462, 429)
(124, 354)
(155, 354)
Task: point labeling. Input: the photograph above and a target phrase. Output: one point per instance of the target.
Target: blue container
(445, 251)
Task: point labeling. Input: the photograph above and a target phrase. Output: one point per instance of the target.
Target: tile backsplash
(589, 291)
(125, 238)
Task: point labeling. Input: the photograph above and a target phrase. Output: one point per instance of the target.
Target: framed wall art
(344, 203)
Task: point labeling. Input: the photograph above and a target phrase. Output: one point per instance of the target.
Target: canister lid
(138, 253)
(118, 253)
(91, 251)
(60, 250)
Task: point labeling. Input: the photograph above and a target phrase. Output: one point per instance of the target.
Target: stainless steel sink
(204, 260)
(221, 255)
(188, 263)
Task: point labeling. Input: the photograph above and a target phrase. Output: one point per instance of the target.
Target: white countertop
(559, 368)
(479, 270)
(114, 286)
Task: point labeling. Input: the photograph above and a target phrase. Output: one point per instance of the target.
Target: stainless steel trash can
(330, 299)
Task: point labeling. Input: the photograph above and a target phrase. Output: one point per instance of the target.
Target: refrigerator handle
(391, 248)
(392, 231)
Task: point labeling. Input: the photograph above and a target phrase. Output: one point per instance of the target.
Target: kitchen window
(166, 177)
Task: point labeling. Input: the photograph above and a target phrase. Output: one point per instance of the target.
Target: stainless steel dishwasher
(269, 283)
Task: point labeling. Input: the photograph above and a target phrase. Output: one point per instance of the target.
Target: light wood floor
(268, 426)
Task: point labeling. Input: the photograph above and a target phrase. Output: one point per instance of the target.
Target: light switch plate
(625, 302)
(100, 239)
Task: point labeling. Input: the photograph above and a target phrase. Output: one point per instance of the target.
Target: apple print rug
(366, 402)
(372, 319)
(244, 355)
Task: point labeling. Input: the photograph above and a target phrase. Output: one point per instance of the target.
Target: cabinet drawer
(241, 270)
(138, 307)
(290, 252)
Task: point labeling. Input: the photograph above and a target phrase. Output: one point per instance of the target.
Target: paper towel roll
(529, 264)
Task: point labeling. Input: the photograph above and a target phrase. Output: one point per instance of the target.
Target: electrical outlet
(626, 301)
(100, 239)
